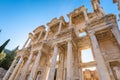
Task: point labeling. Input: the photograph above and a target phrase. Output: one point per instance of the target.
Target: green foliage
(10, 55)
(2, 56)
(3, 46)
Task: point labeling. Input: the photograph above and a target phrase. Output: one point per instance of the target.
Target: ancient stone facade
(117, 1)
(55, 53)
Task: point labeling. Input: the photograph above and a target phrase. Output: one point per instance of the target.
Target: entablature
(77, 11)
(111, 18)
(39, 29)
(84, 42)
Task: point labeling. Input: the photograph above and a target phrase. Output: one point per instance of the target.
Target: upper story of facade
(81, 22)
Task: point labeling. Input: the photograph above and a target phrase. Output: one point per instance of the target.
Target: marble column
(7, 75)
(60, 67)
(34, 68)
(116, 33)
(53, 63)
(80, 68)
(25, 43)
(15, 70)
(101, 66)
(69, 61)
(85, 16)
(118, 4)
(60, 26)
(46, 35)
(40, 35)
(47, 68)
(19, 70)
(100, 9)
(70, 22)
(26, 67)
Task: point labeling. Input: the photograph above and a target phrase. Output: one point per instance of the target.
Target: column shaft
(26, 67)
(46, 35)
(15, 70)
(26, 42)
(116, 33)
(69, 61)
(53, 63)
(60, 68)
(19, 70)
(101, 67)
(34, 68)
(70, 23)
(7, 75)
(60, 26)
(40, 35)
(86, 17)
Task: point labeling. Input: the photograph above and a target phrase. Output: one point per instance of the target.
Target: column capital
(54, 44)
(91, 32)
(69, 40)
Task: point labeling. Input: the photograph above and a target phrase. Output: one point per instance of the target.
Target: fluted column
(34, 68)
(46, 35)
(69, 61)
(101, 67)
(60, 26)
(25, 69)
(15, 70)
(7, 75)
(116, 33)
(53, 63)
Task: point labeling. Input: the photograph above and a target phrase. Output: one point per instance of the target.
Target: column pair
(7, 75)
(34, 68)
(16, 69)
(53, 63)
(26, 67)
(101, 66)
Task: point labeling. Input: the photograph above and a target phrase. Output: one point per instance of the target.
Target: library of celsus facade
(55, 52)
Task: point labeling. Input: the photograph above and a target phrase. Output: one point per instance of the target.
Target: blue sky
(19, 17)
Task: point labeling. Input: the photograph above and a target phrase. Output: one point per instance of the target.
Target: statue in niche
(117, 72)
(38, 75)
